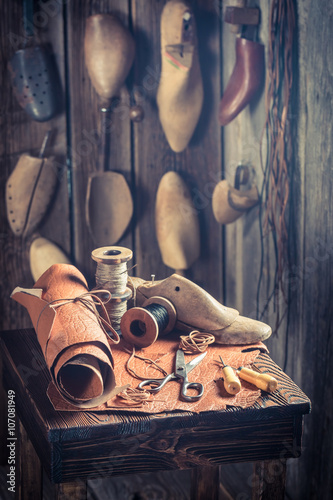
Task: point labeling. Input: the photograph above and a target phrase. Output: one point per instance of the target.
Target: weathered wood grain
(170, 485)
(91, 445)
(309, 347)
(144, 155)
(20, 134)
(68, 491)
(199, 164)
(205, 483)
(241, 145)
(29, 469)
(269, 480)
(85, 128)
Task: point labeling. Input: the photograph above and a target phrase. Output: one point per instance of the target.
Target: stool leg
(77, 490)
(29, 469)
(269, 480)
(205, 483)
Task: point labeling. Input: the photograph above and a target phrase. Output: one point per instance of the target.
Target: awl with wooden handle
(261, 380)
(231, 382)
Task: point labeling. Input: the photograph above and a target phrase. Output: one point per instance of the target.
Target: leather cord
(276, 161)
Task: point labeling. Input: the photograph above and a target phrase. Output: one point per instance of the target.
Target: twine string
(113, 278)
(196, 342)
(89, 300)
(148, 361)
(134, 398)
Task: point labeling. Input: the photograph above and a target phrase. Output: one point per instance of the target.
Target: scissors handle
(156, 384)
(192, 385)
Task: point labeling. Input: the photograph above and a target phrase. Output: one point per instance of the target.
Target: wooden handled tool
(261, 380)
(231, 382)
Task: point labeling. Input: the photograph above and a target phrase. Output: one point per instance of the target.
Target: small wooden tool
(261, 380)
(231, 382)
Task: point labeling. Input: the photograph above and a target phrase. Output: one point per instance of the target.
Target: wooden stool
(76, 446)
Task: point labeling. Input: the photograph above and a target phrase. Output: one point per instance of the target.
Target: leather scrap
(208, 372)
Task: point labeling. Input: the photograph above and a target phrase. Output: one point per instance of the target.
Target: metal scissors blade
(181, 372)
(157, 384)
(181, 366)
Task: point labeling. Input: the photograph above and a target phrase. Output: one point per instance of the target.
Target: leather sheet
(208, 372)
(76, 349)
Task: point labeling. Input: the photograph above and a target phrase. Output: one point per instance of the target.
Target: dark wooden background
(229, 263)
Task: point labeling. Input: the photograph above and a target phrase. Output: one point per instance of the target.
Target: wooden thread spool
(111, 274)
(141, 326)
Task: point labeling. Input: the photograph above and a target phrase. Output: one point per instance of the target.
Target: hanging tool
(34, 74)
(181, 371)
(239, 15)
(109, 53)
(261, 380)
(231, 382)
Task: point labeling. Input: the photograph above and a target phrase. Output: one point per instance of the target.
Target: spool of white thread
(111, 274)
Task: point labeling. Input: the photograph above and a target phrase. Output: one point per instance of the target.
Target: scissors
(181, 371)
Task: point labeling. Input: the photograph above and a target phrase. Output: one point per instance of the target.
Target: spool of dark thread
(141, 326)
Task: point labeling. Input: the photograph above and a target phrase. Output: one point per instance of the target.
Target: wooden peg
(242, 16)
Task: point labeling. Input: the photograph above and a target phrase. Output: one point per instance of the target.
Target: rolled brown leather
(75, 347)
(245, 80)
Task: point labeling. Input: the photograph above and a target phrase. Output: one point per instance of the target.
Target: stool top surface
(26, 374)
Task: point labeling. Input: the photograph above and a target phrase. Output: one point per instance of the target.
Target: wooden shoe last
(177, 225)
(197, 310)
(109, 53)
(29, 191)
(245, 80)
(180, 91)
(229, 203)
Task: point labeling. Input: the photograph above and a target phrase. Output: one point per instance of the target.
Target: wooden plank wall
(20, 134)
(229, 262)
(151, 156)
(305, 349)
(309, 347)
